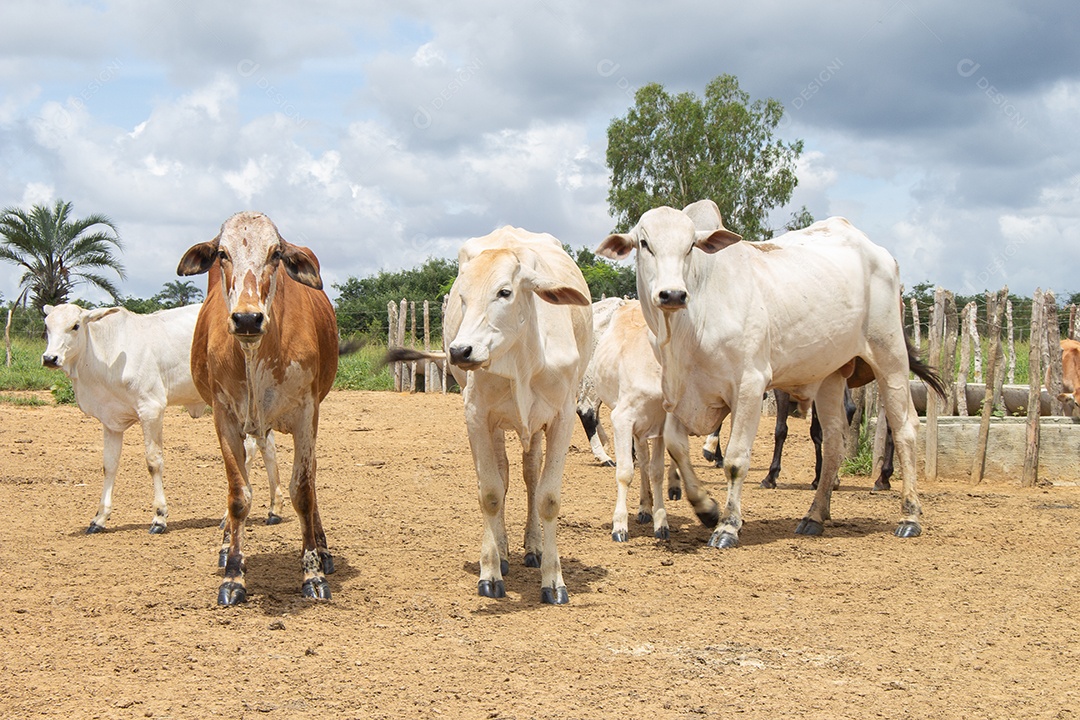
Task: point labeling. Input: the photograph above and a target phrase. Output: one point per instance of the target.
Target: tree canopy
(677, 149)
(59, 251)
(361, 305)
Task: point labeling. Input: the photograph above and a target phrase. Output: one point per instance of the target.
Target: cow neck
(253, 422)
(526, 358)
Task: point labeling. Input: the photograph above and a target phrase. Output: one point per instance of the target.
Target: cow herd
(719, 323)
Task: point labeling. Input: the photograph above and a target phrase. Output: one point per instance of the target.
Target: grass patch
(361, 370)
(862, 462)
(27, 373)
(24, 400)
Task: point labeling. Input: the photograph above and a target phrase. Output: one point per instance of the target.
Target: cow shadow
(273, 581)
(523, 584)
(174, 526)
(689, 537)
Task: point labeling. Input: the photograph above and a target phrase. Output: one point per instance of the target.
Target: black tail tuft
(406, 355)
(925, 372)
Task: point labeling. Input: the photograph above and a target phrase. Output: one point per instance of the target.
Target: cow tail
(925, 372)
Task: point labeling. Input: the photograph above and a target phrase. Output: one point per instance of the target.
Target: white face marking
(249, 246)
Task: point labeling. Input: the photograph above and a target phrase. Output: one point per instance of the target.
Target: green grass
(361, 370)
(27, 373)
(25, 400)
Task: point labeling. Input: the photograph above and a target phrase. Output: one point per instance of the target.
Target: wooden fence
(402, 333)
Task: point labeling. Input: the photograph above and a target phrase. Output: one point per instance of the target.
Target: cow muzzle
(464, 357)
(247, 326)
(50, 361)
(670, 299)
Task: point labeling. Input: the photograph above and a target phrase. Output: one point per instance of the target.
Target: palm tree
(59, 252)
(179, 293)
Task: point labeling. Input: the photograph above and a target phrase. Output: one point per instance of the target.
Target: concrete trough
(958, 437)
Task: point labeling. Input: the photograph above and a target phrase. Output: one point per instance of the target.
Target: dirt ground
(978, 618)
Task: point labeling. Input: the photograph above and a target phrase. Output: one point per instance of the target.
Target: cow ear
(301, 264)
(94, 315)
(47, 309)
(616, 247)
(716, 240)
(198, 258)
(553, 292)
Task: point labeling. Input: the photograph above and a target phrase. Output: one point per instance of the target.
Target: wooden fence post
(915, 324)
(412, 344)
(934, 337)
(976, 345)
(391, 340)
(1052, 354)
(1009, 333)
(403, 319)
(445, 363)
(947, 364)
(965, 360)
(995, 305)
(1030, 476)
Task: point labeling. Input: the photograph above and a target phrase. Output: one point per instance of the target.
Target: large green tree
(361, 304)
(59, 251)
(676, 149)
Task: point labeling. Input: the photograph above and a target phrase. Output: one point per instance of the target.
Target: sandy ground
(978, 618)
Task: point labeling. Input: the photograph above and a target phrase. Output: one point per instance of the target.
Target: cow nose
(460, 353)
(672, 298)
(50, 361)
(248, 323)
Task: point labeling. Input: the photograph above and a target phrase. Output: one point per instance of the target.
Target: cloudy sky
(381, 134)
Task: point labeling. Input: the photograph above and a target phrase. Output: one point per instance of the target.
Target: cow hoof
(908, 529)
(504, 567)
(644, 517)
(608, 463)
(94, 529)
(554, 596)
(326, 561)
(532, 560)
(273, 519)
(768, 484)
(231, 593)
(709, 518)
(722, 539)
(674, 493)
(316, 588)
(662, 533)
(156, 529)
(491, 588)
(709, 456)
(882, 484)
(807, 526)
(620, 535)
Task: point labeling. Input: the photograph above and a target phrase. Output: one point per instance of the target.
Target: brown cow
(1070, 376)
(264, 355)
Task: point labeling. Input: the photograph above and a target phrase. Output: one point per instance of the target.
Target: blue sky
(381, 134)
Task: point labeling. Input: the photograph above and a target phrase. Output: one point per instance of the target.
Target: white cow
(519, 324)
(588, 402)
(799, 313)
(627, 379)
(126, 368)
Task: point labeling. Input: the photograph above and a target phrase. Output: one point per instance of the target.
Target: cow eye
(645, 246)
(505, 293)
(222, 256)
(75, 327)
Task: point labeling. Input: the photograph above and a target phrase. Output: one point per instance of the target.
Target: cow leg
(590, 421)
(783, 409)
(654, 477)
(711, 449)
(737, 463)
(492, 477)
(268, 448)
(883, 460)
(622, 424)
(678, 447)
(112, 445)
(531, 463)
(153, 430)
(233, 590)
(548, 498)
(815, 437)
(674, 486)
(645, 497)
(305, 503)
(903, 421)
(830, 409)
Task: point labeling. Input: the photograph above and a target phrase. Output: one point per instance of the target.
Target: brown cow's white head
(496, 291)
(66, 331)
(664, 238)
(249, 250)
